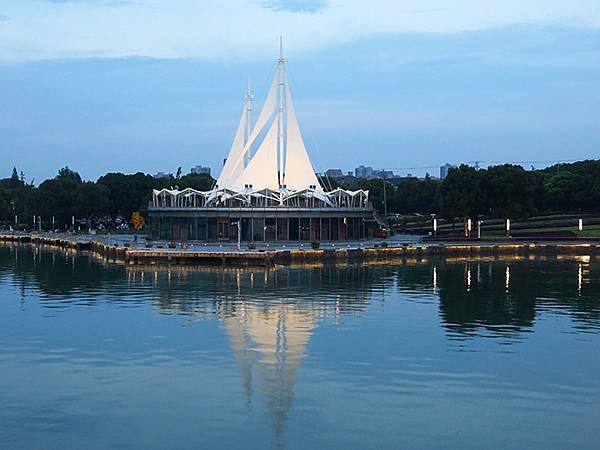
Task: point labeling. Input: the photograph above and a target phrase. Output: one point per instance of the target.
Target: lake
(446, 354)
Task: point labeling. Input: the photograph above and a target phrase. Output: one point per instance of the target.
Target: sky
(151, 85)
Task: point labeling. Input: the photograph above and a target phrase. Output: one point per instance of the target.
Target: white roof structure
(281, 160)
(278, 174)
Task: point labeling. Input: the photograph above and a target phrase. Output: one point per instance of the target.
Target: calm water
(452, 355)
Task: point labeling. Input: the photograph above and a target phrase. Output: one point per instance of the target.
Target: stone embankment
(359, 252)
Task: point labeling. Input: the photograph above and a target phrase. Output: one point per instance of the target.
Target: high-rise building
(334, 173)
(200, 169)
(363, 172)
(444, 170)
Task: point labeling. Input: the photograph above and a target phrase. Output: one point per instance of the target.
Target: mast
(249, 98)
(281, 126)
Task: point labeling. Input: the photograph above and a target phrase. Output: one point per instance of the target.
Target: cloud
(209, 29)
(295, 6)
(94, 2)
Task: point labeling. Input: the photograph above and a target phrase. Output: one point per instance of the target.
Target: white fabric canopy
(281, 157)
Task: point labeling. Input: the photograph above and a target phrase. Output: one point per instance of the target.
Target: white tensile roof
(281, 160)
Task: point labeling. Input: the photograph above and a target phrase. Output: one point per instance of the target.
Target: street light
(507, 226)
(435, 224)
(469, 227)
(479, 222)
(580, 224)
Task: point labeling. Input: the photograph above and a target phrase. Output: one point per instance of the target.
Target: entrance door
(223, 230)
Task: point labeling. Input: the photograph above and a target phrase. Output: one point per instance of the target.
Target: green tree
(57, 197)
(92, 200)
(509, 191)
(200, 181)
(461, 193)
(128, 193)
(67, 174)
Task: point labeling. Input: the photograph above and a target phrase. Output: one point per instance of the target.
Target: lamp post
(469, 227)
(479, 222)
(580, 224)
(384, 198)
(507, 227)
(435, 225)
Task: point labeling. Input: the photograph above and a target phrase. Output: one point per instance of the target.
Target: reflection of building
(267, 189)
(269, 342)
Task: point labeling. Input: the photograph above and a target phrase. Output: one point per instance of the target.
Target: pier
(123, 249)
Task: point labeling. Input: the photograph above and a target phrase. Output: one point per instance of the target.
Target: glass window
(247, 229)
(201, 233)
(305, 229)
(294, 229)
(325, 235)
(335, 223)
(270, 229)
(282, 229)
(259, 229)
(315, 229)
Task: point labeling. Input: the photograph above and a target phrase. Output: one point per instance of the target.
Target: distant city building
(444, 170)
(334, 173)
(162, 175)
(363, 172)
(369, 173)
(200, 169)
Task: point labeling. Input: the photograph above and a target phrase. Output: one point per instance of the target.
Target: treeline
(504, 191)
(499, 191)
(112, 196)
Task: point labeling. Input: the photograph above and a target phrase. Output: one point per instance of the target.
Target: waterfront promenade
(132, 250)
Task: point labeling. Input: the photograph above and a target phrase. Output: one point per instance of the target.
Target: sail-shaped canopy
(261, 172)
(281, 161)
(298, 172)
(231, 169)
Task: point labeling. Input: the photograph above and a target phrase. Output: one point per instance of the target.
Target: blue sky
(150, 85)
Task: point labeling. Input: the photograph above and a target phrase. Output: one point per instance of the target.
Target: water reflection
(269, 317)
(503, 293)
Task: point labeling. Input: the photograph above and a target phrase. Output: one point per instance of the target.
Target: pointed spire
(248, 131)
(281, 57)
(249, 97)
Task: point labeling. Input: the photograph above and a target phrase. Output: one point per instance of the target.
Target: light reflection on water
(475, 354)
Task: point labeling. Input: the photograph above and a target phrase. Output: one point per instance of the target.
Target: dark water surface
(431, 355)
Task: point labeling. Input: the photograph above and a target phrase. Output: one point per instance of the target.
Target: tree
(56, 197)
(92, 200)
(509, 191)
(200, 181)
(461, 193)
(137, 220)
(15, 175)
(67, 174)
(128, 193)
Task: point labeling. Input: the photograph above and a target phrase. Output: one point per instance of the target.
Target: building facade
(267, 189)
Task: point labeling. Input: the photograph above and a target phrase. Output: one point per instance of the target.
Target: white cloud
(41, 29)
